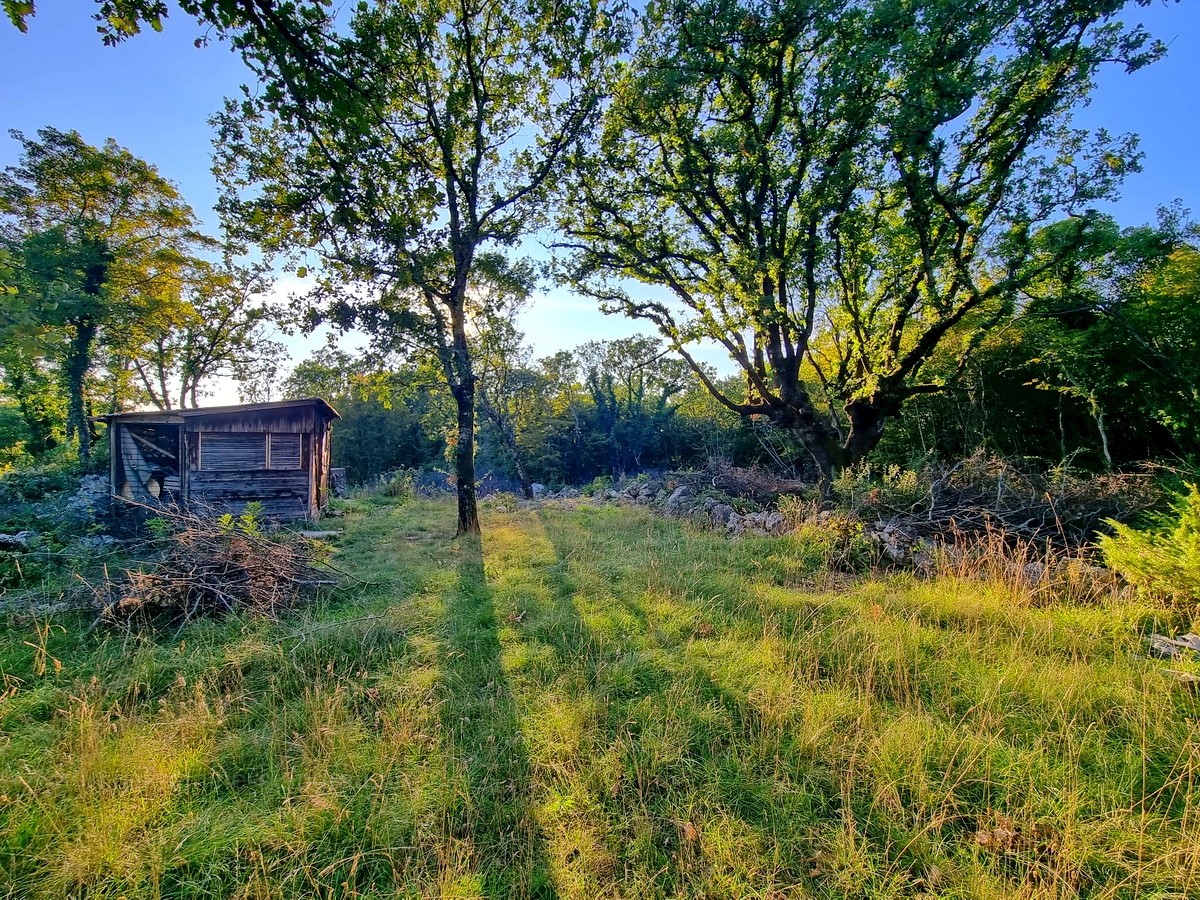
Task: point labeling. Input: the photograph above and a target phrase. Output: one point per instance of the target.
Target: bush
(398, 485)
(56, 474)
(1162, 561)
(598, 484)
(889, 486)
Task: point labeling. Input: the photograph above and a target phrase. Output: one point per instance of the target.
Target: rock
(1163, 647)
(539, 490)
(721, 514)
(90, 500)
(339, 484)
(774, 523)
(18, 541)
(676, 504)
(1034, 572)
(97, 543)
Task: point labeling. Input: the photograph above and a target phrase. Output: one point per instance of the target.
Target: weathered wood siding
(295, 420)
(232, 451)
(285, 451)
(274, 453)
(282, 493)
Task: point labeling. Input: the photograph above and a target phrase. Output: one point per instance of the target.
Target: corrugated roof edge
(174, 415)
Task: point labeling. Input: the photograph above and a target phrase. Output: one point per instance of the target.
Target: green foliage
(249, 521)
(104, 243)
(160, 529)
(390, 418)
(55, 475)
(843, 188)
(1163, 560)
(889, 485)
(598, 484)
(397, 485)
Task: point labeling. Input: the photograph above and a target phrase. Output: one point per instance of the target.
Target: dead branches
(215, 567)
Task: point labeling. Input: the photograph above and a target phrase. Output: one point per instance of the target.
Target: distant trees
(108, 296)
(222, 331)
(1117, 326)
(390, 418)
(1094, 369)
(102, 244)
(779, 170)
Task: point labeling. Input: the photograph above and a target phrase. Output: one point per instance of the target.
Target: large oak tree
(874, 171)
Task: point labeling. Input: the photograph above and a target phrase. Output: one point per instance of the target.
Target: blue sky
(154, 94)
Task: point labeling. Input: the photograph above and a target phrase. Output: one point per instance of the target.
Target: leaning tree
(865, 176)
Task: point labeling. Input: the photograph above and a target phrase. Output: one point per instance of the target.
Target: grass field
(598, 703)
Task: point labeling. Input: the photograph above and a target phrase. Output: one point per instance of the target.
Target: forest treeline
(883, 215)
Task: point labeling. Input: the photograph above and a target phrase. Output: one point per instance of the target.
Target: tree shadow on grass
(682, 736)
(483, 728)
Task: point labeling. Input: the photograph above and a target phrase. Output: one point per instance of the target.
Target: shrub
(56, 475)
(1162, 561)
(598, 484)
(889, 486)
(797, 509)
(397, 485)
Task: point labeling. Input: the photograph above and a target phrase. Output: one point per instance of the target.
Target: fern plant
(1162, 561)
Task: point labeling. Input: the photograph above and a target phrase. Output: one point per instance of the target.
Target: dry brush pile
(199, 566)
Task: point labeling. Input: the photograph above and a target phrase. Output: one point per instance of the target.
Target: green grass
(598, 703)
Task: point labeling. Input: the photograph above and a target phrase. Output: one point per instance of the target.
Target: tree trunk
(79, 360)
(523, 477)
(463, 389)
(798, 415)
(464, 461)
(866, 418)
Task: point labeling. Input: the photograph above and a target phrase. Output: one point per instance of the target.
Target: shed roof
(177, 416)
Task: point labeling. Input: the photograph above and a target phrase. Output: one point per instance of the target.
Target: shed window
(284, 451)
(224, 451)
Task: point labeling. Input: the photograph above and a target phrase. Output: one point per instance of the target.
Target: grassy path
(596, 703)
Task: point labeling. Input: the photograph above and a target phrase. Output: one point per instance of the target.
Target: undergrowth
(597, 702)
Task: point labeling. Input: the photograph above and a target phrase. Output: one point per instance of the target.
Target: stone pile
(899, 544)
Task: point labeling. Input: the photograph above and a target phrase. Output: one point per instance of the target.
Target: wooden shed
(218, 459)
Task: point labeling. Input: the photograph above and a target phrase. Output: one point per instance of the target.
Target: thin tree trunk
(464, 463)
(1098, 413)
(464, 452)
(78, 362)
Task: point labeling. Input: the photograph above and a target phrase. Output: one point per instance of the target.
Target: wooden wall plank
(285, 451)
(228, 452)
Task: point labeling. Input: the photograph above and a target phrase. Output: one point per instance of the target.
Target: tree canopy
(781, 169)
(102, 244)
(402, 144)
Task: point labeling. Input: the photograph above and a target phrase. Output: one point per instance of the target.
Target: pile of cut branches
(754, 483)
(985, 494)
(214, 567)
